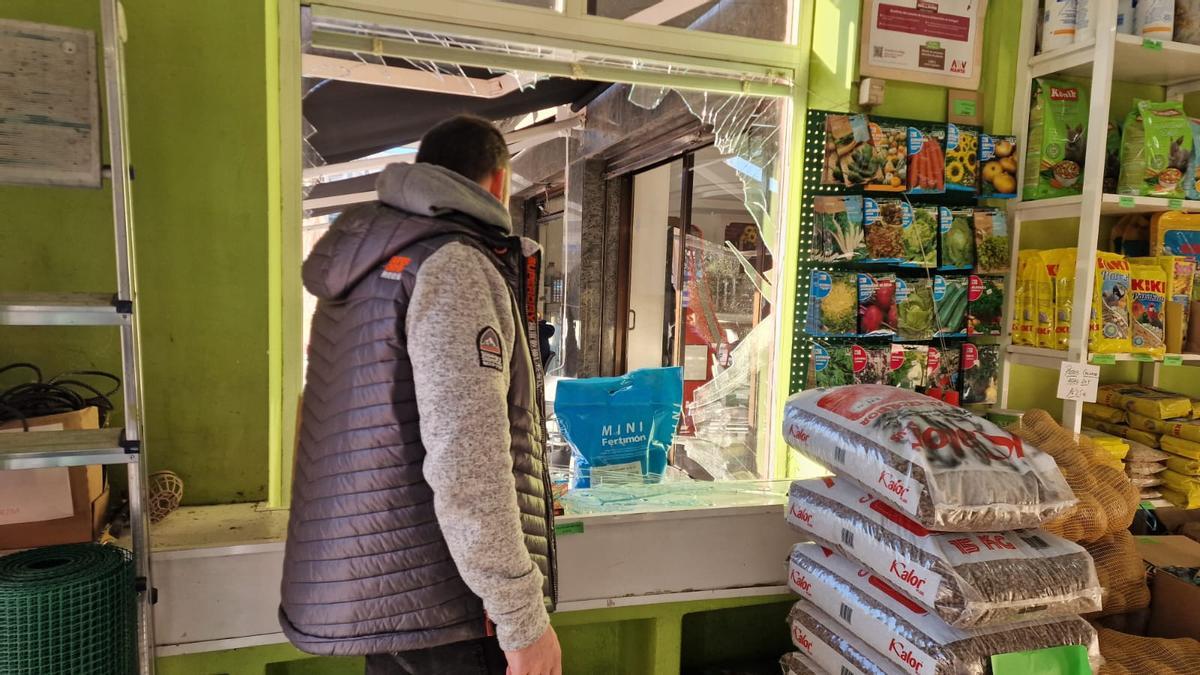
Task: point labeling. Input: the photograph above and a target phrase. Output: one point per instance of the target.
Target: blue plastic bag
(620, 427)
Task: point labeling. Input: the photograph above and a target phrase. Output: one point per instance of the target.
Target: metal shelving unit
(113, 446)
(1102, 60)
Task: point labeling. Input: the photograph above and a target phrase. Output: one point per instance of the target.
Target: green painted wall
(197, 99)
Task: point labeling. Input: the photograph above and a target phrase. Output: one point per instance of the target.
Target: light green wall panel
(197, 94)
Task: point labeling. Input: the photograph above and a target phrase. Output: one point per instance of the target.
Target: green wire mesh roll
(68, 610)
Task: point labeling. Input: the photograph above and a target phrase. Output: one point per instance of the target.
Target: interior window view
(600, 337)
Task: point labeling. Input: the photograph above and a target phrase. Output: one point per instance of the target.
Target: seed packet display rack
(1099, 61)
(803, 350)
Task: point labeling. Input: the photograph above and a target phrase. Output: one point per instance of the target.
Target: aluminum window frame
(568, 26)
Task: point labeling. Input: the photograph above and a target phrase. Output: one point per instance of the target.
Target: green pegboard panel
(814, 155)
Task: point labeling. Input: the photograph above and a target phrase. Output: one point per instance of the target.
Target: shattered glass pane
(763, 19)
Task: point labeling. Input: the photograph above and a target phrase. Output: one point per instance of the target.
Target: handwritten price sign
(1078, 381)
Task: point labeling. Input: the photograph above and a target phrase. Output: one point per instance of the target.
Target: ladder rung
(73, 447)
(60, 309)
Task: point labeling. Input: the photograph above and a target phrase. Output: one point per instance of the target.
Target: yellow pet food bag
(1104, 413)
(1064, 294)
(1045, 270)
(1024, 329)
(1184, 465)
(1184, 485)
(1110, 330)
(1148, 310)
(1144, 401)
(1178, 446)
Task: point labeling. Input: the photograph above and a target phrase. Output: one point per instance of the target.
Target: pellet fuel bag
(905, 632)
(940, 465)
(969, 580)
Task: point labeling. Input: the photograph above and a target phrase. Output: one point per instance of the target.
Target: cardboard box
(1174, 602)
(44, 507)
(1180, 521)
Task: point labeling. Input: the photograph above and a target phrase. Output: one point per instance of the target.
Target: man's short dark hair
(465, 144)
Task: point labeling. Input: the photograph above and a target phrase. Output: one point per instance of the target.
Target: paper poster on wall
(49, 105)
(935, 42)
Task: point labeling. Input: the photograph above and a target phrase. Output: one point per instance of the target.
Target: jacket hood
(363, 237)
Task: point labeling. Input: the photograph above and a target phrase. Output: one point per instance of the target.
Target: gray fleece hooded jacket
(421, 501)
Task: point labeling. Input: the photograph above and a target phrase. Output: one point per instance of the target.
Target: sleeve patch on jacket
(491, 351)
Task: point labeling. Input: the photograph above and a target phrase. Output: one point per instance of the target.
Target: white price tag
(1078, 381)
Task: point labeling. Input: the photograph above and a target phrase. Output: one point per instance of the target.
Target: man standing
(421, 516)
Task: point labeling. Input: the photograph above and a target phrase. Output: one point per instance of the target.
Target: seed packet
(849, 157)
(980, 365)
(1045, 274)
(1156, 148)
(916, 317)
(1109, 323)
(926, 160)
(950, 298)
(920, 238)
(838, 228)
(890, 144)
(877, 313)
(1054, 156)
(1147, 311)
(944, 362)
(908, 365)
(871, 363)
(621, 428)
(962, 158)
(955, 240)
(1064, 295)
(885, 221)
(998, 157)
(992, 244)
(833, 304)
(986, 305)
(832, 365)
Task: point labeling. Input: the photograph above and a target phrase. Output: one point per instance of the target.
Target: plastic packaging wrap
(968, 579)
(908, 635)
(796, 663)
(815, 634)
(942, 466)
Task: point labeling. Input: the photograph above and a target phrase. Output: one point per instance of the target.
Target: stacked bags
(1173, 473)
(925, 559)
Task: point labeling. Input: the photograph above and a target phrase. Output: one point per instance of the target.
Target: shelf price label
(1172, 360)
(1152, 45)
(1078, 381)
(1144, 358)
(1175, 204)
(1125, 202)
(1104, 359)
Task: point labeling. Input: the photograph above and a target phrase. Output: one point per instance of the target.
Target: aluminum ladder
(109, 446)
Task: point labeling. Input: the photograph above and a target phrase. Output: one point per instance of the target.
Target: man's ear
(497, 184)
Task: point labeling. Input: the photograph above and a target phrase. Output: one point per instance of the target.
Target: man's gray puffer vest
(367, 569)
